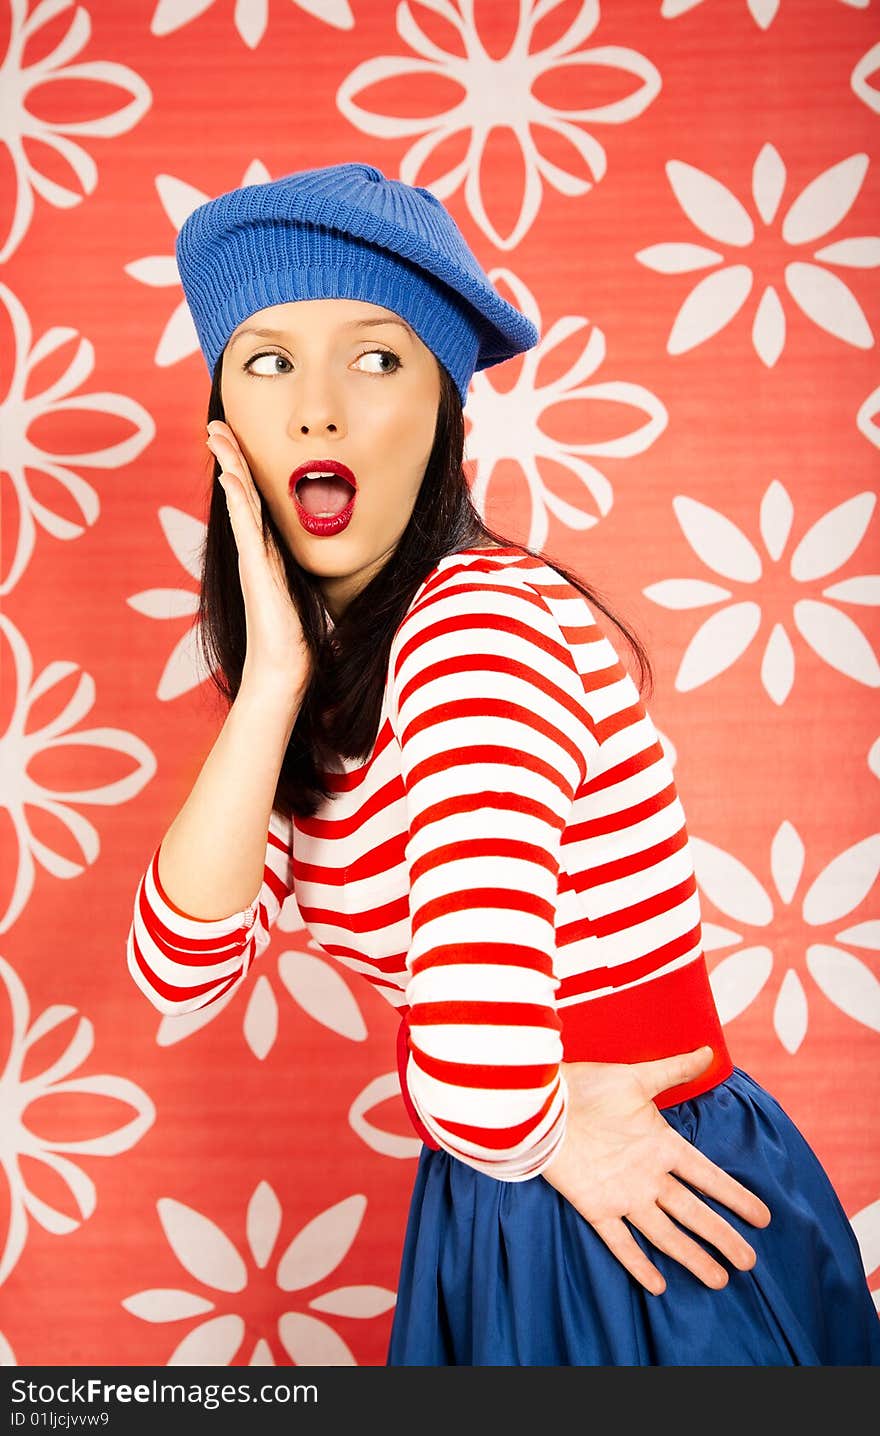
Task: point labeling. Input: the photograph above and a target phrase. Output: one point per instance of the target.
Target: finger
(231, 460)
(668, 1238)
(623, 1245)
(662, 1072)
(239, 511)
(698, 1170)
(690, 1212)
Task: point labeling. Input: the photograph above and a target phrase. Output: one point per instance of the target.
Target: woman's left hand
(620, 1159)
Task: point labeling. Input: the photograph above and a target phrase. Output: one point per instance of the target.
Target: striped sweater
(510, 868)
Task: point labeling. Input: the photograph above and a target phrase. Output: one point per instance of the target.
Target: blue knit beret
(346, 232)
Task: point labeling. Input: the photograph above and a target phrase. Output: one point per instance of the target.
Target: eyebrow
(350, 324)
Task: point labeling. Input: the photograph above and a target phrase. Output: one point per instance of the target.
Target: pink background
(683, 194)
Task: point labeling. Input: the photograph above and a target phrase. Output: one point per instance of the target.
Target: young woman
(432, 743)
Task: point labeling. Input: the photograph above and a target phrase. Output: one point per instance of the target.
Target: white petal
(164, 603)
(309, 1342)
(777, 665)
(864, 934)
(844, 883)
(847, 982)
(825, 201)
(262, 1354)
(157, 271)
(263, 1222)
(710, 306)
(874, 758)
(763, 12)
(866, 1225)
(737, 980)
(717, 540)
(829, 303)
(768, 327)
(321, 1245)
(322, 993)
(389, 1144)
(860, 252)
(685, 593)
(201, 1247)
(677, 258)
(730, 885)
(671, 9)
(261, 1018)
(715, 936)
(865, 589)
(768, 182)
(867, 418)
(710, 205)
(837, 640)
(790, 1012)
(868, 64)
(718, 644)
(355, 1301)
(214, 1343)
(165, 1304)
(787, 859)
(777, 512)
(833, 538)
(185, 536)
(170, 15)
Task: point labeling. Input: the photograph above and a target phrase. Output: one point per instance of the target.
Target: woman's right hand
(276, 645)
(622, 1164)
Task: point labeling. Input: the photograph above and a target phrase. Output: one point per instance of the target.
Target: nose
(316, 409)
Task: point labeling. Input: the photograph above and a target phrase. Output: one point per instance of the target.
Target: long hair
(341, 707)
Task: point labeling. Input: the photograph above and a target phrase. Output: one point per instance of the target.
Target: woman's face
(339, 379)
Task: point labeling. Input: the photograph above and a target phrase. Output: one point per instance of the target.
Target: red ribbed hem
(658, 1018)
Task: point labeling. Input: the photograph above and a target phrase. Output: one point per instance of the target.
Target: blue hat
(346, 232)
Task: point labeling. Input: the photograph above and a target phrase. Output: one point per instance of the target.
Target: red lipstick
(323, 525)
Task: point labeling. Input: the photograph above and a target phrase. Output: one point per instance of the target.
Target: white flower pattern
(510, 424)
(821, 295)
(18, 80)
(19, 747)
(498, 95)
(724, 637)
(763, 12)
(22, 409)
(18, 1141)
(835, 893)
(213, 1260)
(250, 17)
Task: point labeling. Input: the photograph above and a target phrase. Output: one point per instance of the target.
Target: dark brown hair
(340, 711)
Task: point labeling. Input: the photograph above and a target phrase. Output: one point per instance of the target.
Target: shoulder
(504, 590)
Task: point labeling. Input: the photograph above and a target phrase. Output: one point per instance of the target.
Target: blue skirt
(510, 1274)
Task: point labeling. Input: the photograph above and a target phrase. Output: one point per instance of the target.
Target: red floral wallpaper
(683, 195)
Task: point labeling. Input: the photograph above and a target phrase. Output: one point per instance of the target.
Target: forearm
(211, 859)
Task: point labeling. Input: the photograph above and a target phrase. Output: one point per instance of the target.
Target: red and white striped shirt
(510, 868)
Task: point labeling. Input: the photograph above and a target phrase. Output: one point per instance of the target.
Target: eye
(267, 355)
(382, 354)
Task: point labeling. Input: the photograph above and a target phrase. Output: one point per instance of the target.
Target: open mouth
(323, 494)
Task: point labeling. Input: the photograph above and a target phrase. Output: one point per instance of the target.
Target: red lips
(324, 466)
(323, 525)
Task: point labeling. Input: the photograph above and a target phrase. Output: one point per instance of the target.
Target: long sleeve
(488, 709)
(182, 963)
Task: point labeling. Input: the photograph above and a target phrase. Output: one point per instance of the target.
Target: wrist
(271, 693)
